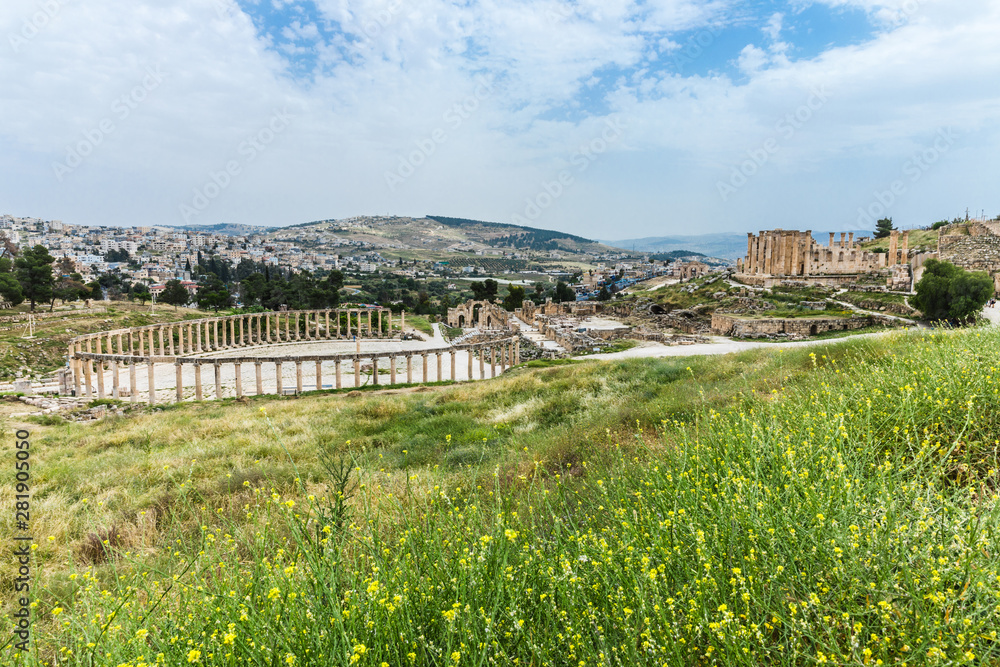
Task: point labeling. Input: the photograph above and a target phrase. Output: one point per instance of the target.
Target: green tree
(34, 273)
(212, 293)
(514, 298)
(175, 294)
(947, 292)
(141, 291)
(563, 293)
(883, 228)
(10, 289)
(604, 294)
(485, 290)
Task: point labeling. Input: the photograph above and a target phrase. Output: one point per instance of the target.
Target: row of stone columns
(179, 338)
(498, 356)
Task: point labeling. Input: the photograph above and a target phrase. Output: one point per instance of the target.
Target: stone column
(87, 373)
(277, 372)
(517, 351)
(267, 328)
(893, 247)
(121, 345)
(319, 375)
(151, 370)
(241, 339)
(287, 334)
(425, 377)
(238, 369)
(260, 377)
(142, 344)
(748, 268)
(306, 317)
(218, 379)
(327, 324)
(100, 378)
(133, 384)
(163, 347)
(179, 381)
(357, 371)
(232, 332)
(392, 370)
(440, 359)
(197, 381)
(115, 386)
(493, 362)
(370, 333)
(215, 327)
(298, 377)
(197, 343)
(77, 371)
(336, 314)
(295, 326)
(380, 324)
(409, 369)
(482, 364)
(336, 366)
(452, 355)
(170, 339)
(131, 343)
(375, 371)
(906, 246)
(469, 350)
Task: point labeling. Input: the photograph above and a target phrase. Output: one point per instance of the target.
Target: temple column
(392, 370)
(319, 375)
(337, 315)
(298, 377)
(163, 347)
(259, 377)
(277, 373)
(893, 248)
(115, 386)
(307, 324)
(121, 347)
(232, 332)
(380, 324)
(87, 372)
(482, 364)
(409, 369)
(424, 378)
(493, 362)
(749, 265)
(237, 367)
(242, 340)
(469, 350)
(215, 327)
(75, 364)
(197, 336)
(142, 344)
(375, 371)
(197, 381)
(371, 334)
(336, 367)
(179, 381)
(440, 360)
(131, 343)
(517, 351)
(170, 339)
(287, 334)
(327, 324)
(218, 380)
(452, 355)
(357, 371)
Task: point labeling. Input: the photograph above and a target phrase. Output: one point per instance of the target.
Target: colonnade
(331, 371)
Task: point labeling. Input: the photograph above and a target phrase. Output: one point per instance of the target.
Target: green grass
(617, 346)
(420, 323)
(830, 505)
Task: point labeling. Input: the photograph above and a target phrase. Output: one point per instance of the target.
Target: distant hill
(726, 246)
(501, 234)
(229, 229)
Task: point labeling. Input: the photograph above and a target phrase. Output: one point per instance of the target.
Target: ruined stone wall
(737, 327)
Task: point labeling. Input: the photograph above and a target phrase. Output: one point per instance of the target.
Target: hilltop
(431, 237)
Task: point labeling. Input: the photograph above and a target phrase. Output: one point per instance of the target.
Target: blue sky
(607, 118)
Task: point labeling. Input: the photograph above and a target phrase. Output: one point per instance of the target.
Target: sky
(610, 119)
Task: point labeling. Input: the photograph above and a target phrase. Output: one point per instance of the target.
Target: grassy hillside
(47, 350)
(834, 504)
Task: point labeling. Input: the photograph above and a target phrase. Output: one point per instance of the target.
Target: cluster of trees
(34, 276)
